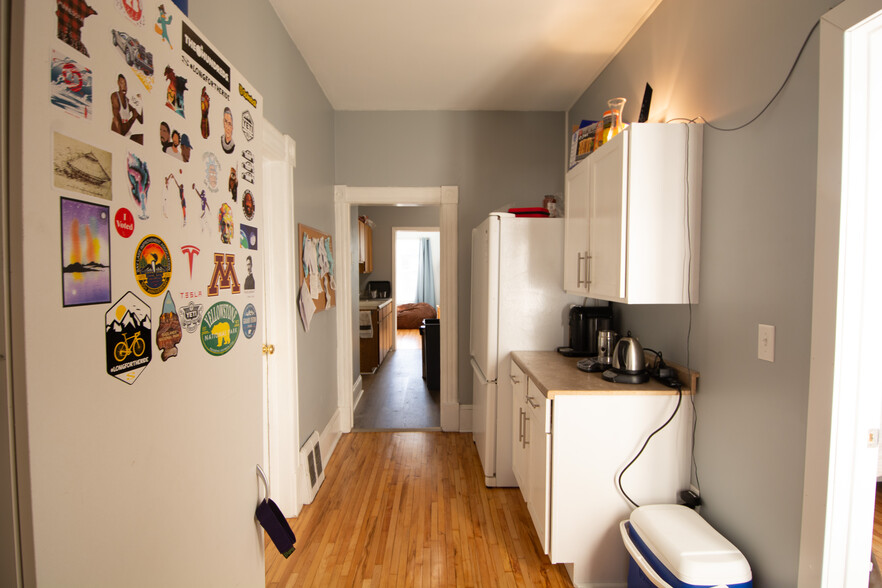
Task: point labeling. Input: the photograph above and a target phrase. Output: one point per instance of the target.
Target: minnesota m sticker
(224, 275)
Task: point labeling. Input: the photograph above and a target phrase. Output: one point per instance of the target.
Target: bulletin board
(317, 284)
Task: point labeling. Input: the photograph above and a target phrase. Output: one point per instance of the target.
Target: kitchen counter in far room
(373, 303)
(377, 335)
(556, 375)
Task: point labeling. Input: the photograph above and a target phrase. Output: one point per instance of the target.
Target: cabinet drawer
(539, 403)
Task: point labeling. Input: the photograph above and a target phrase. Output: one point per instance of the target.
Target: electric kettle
(628, 363)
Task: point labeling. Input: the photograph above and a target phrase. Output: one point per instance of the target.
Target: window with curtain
(417, 266)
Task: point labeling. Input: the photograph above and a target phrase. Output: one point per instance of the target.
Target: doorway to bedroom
(400, 391)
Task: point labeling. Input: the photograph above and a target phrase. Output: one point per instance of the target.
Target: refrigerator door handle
(480, 372)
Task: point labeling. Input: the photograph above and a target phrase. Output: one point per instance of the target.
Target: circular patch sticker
(220, 328)
(248, 204)
(153, 265)
(249, 321)
(124, 222)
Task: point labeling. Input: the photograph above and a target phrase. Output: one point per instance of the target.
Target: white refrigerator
(517, 304)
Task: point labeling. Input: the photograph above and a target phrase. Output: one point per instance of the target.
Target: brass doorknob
(269, 349)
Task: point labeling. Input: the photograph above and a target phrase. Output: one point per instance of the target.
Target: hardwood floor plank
(411, 509)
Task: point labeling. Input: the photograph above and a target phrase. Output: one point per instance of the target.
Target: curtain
(425, 274)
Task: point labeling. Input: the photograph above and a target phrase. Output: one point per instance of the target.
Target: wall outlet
(694, 489)
(766, 343)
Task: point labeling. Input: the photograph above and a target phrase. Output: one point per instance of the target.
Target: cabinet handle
(579, 281)
(587, 272)
(530, 401)
(526, 420)
(521, 425)
(515, 379)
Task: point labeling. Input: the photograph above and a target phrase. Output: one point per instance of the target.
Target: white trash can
(671, 546)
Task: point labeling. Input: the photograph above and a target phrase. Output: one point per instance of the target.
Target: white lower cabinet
(531, 450)
(519, 457)
(569, 450)
(539, 445)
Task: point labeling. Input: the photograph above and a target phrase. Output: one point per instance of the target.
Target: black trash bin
(431, 337)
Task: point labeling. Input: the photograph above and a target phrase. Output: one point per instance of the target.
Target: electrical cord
(694, 464)
(645, 443)
(769, 103)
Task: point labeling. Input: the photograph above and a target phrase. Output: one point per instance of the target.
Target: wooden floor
(408, 339)
(395, 397)
(411, 509)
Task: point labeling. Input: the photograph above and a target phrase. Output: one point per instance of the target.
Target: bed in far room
(411, 315)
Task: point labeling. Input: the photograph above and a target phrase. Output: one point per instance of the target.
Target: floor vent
(311, 458)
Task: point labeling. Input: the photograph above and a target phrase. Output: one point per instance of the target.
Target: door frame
(281, 420)
(844, 403)
(447, 199)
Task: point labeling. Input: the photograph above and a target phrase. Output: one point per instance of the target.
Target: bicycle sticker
(168, 334)
(153, 265)
(127, 338)
(220, 328)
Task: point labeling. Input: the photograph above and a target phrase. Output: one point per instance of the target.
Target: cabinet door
(607, 218)
(576, 228)
(539, 448)
(519, 405)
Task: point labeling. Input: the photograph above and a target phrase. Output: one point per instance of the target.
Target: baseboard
(357, 392)
(465, 418)
(450, 416)
(330, 435)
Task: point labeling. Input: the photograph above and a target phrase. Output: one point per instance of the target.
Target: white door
(485, 296)
(484, 419)
(139, 455)
(281, 425)
(576, 229)
(608, 216)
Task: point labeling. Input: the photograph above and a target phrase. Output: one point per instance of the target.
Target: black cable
(766, 107)
(645, 443)
(694, 463)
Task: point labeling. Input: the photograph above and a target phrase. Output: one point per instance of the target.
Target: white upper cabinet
(633, 211)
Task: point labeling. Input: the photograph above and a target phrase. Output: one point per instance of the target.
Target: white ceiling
(459, 54)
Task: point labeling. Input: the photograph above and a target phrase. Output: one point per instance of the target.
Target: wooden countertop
(556, 375)
(372, 303)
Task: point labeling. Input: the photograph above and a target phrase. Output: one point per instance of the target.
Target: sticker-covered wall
(137, 231)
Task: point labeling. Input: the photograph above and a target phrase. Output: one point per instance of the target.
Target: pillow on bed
(410, 316)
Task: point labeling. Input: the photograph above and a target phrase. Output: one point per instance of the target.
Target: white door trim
(281, 397)
(844, 402)
(447, 198)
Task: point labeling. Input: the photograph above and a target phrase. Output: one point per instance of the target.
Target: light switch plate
(766, 343)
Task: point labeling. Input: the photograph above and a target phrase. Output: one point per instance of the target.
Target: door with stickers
(137, 311)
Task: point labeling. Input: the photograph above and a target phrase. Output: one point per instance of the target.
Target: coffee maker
(585, 323)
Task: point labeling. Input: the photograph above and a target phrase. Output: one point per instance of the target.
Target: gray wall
(387, 217)
(259, 46)
(498, 160)
(724, 61)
